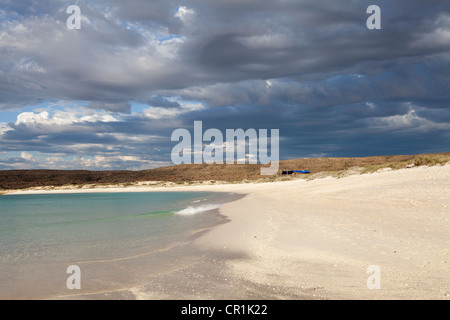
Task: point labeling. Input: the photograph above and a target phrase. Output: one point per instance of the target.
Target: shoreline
(316, 239)
(116, 269)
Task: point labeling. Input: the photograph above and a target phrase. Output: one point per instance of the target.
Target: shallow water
(110, 234)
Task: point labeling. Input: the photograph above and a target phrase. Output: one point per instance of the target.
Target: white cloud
(409, 121)
(85, 147)
(98, 118)
(440, 36)
(27, 156)
(183, 13)
(101, 162)
(28, 160)
(61, 118)
(27, 64)
(98, 162)
(32, 118)
(159, 113)
(4, 127)
(142, 138)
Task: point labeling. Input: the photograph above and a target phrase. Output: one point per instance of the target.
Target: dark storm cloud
(110, 58)
(422, 82)
(267, 40)
(115, 107)
(158, 101)
(311, 69)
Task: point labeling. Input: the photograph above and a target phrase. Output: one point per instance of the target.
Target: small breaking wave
(193, 210)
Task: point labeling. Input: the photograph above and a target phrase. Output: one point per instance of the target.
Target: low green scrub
(431, 160)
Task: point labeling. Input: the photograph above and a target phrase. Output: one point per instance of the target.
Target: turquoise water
(63, 229)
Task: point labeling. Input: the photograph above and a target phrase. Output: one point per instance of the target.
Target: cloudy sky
(109, 96)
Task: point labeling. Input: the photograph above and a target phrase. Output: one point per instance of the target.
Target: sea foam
(193, 210)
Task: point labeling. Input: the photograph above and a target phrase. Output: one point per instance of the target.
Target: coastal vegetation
(188, 174)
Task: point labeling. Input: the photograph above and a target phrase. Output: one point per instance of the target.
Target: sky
(109, 95)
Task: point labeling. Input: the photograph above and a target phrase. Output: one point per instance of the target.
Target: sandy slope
(320, 236)
(317, 238)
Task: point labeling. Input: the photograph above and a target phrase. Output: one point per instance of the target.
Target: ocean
(117, 239)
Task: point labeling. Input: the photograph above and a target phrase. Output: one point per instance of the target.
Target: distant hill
(20, 179)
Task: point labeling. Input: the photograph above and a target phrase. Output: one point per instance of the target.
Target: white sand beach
(317, 238)
(321, 236)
